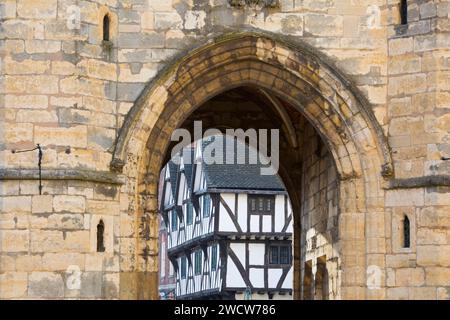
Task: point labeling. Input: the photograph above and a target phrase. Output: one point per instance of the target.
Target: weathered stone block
(42, 204)
(167, 20)
(404, 64)
(141, 40)
(25, 67)
(76, 136)
(29, 263)
(77, 241)
(144, 74)
(437, 276)
(16, 204)
(433, 217)
(91, 284)
(66, 203)
(8, 9)
(66, 221)
(47, 241)
(45, 285)
(37, 9)
(427, 10)
(7, 263)
(98, 69)
(407, 84)
(324, 25)
(62, 261)
(428, 255)
(194, 19)
(42, 46)
(36, 116)
(401, 198)
(129, 91)
(13, 285)
(409, 277)
(14, 240)
(64, 68)
(400, 46)
(101, 138)
(26, 101)
(110, 287)
(18, 132)
(437, 196)
(37, 84)
(431, 236)
(97, 104)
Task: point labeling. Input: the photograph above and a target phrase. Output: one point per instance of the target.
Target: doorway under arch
(305, 93)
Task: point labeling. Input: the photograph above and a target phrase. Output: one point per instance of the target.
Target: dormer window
(261, 204)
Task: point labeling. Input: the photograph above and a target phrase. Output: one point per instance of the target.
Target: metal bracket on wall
(40, 154)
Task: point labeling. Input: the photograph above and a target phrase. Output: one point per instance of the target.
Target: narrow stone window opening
(321, 291)
(403, 11)
(406, 233)
(307, 281)
(100, 236)
(106, 23)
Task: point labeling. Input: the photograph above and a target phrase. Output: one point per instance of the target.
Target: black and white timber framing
(229, 229)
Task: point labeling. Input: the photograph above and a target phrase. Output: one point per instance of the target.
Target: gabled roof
(242, 174)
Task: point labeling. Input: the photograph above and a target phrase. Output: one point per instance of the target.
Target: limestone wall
(61, 86)
(419, 128)
(49, 242)
(319, 216)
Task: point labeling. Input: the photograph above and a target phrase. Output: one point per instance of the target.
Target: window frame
(189, 213)
(261, 204)
(183, 268)
(206, 208)
(173, 220)
(198, 262)
(214, 258)
(279, 247)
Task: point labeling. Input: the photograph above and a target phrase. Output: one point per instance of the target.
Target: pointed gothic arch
(308, 81)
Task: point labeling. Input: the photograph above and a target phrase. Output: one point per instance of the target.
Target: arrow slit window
(106, 23)
(406, 232)
(100, 236)
(403, 11)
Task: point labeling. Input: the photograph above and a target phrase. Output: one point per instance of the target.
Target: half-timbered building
(229, 227)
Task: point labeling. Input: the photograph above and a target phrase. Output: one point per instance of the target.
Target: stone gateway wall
(375, 91)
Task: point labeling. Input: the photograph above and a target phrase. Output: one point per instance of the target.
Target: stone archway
(310, 83)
